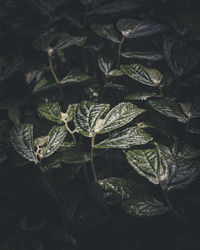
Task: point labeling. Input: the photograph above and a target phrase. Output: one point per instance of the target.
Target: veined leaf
(140, 96)
(75, 76)
(133, 197)
(147, 163)
(105, 64)
(147, 76)
(87, 117)
(169, 108)
(54, 140)
(21, 138)
(126, 138)
(119, 116)
(106, 31)
(132, 28)
(151, 56)
(51, 111)
(69, 115)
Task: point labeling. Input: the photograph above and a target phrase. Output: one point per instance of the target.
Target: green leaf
(118, 116)
(151, 56)
(71, 110)
(21, 138)
(133, 197)
(106, 31)
(51, 111)
(126, 138)
(14, 113)
(87, 116)
(75, 76)
(105, 64)
(115, 73)
(147, 163)
(191, 110)
(132, 28)
(147, 76)
(188, 152)
(169, 108)
(140, 96)
(54, 140)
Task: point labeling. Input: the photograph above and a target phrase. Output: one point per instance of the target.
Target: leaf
(132, 28)
(14, 113)
(71, 110)
(180, 171)
(146, 162)
(21, 138)
(87, 116)
(191, 110)
(105, 64)
(106, 31)
(75, 76)
(51, 111)
(151, 56)
(115, 72)
(169, 108)
(126, 138)
(147, 76)
(188, 152)
(116, 7)
(133, 197)
(118, 116)
(54, 140)
(140, 96)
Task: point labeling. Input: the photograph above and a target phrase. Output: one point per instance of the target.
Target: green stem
(92, 159)
(119, 51)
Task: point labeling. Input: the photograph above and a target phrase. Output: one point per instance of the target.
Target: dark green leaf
(106, 31)
(132, 28)
(118, 116)
(75, 76)
(140, 96)
(147, 76)
(51, 111)
(126, 138)
(151, 56)
(105, 64)
(21, 138)
(115, 72)
(169, 108)
(188, 152)
(14, 113)
(192, 110)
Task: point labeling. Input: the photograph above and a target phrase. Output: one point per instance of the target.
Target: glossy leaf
(133, 197)
(146, 162)
(169, 108)
(105, 64)
(51, 111)
(119, 116)
(126, 138)
(69, 115)
(87, 116)
(106, 31)
(21, 138)
(132, 28)
(140, 96)
(75, 76)
(151, 56)
(147, 76)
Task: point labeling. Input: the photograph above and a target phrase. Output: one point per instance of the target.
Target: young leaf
(106, 31)
(146, 162)
(151, 56)
(133, 197)
(147, 76)
(119, 116)
(126, 138)
(51, 111)
(169, 108)
(21, 138)
(54, 140)
(140, 96)
(87, 116)
(132, 28)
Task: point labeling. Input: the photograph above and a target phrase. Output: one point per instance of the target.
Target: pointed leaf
(119, 116)
(126, 138)
(106, 31)
(192, 110)
(169, 108)
(105, 64)
(21, 138)
(87, 117)
(132, 28)
(140, 96)
(151, 56)
(69, 115)
(147, 76)
(51, 111)
(133, 197)
(75, 76)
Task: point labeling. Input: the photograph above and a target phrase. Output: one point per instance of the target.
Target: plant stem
(119, 51)
(161, 91)
(92, 159)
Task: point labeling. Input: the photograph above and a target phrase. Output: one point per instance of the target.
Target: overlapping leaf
(51, 111)
(106, 31)
(126, 138)
(105, 64)
(147, 76)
